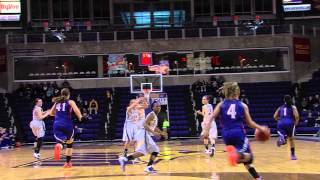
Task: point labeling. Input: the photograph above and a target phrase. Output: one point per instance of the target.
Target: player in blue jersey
(288, 117)
(63, 125)
(233, 114)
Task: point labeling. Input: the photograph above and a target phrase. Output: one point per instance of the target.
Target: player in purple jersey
(63, 125)
(288, 117)
(233, 114)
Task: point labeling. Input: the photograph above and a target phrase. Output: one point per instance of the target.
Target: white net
(146, 93)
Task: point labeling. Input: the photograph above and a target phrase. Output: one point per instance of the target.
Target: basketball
(262, 135)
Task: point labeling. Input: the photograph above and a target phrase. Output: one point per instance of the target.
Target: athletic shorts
(38, 124)
(63, 132)
(286, 128)
(213, 132)
(238, 139)
(130, 131)
(145, 143)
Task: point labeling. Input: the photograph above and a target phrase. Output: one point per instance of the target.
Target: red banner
(301, 49)
(3, 59)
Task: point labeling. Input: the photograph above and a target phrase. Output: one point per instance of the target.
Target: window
(60, 9)
(121, 14)
(39, 9)
(100, 8)
(202, 8)
(145, 13)
(161, 14)
(242, 7)
(161, 18)
(263, 6)
(81, 9)
(222, 7)
(142, 19)
(184, 8)
(179, 18)
(142, 15)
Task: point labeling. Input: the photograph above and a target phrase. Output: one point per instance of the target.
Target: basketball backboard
(140, 81)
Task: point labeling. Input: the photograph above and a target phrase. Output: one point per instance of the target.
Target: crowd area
(7, 128)
(308, 105)
(48, 90)
(43, 90)
(213, 87)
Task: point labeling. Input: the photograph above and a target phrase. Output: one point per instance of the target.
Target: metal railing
(165, 34)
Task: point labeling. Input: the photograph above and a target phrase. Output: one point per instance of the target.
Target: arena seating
(180, 111)
(264, 99)
(4, 122)
(121, 97)
(312, 87)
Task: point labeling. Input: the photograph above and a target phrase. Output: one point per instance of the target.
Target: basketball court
(179, 159)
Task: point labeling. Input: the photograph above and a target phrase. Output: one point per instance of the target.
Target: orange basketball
(262, 135)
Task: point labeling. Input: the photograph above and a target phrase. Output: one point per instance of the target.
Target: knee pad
(69, 145)
(154, 154)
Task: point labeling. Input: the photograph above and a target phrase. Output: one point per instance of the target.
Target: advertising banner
(301, 49)
(10, 7)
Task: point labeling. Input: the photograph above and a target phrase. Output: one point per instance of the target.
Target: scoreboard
(297, 9)
(10, 14)
(10, 10)
(145, 59)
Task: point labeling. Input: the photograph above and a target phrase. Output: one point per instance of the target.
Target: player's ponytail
(65, 94)
(231, 90)
(288, 100)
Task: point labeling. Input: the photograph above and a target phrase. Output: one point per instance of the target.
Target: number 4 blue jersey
(232, 119)
(232, 114)
(63, 113)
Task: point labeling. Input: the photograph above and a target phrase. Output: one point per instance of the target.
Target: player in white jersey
(38, 127)
(145, 143)
(207, 112)
(130, 128)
